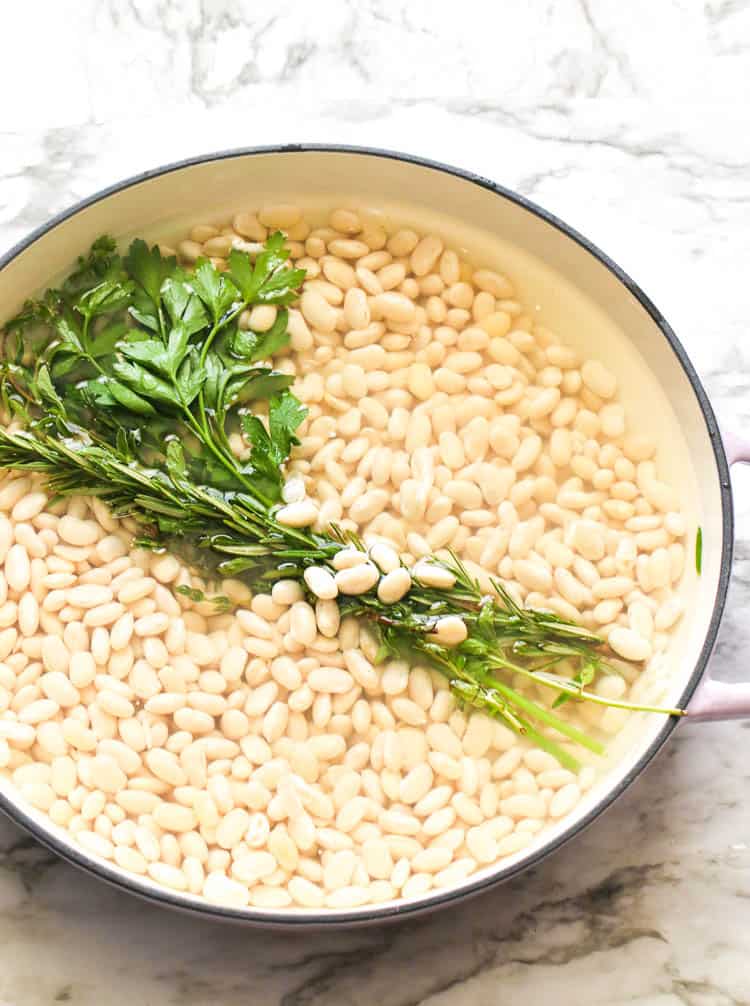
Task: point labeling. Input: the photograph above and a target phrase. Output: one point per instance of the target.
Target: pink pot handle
(737, 448)
(720, 700)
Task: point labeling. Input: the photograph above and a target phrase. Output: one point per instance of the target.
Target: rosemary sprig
(503, 639)
(128, 382)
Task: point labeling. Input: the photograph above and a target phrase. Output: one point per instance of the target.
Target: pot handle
(722, 700)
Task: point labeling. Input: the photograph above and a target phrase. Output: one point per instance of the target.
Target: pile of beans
(261, 757)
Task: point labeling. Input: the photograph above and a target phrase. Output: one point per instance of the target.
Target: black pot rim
(295, 919)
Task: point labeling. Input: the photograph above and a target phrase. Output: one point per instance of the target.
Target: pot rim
(370, 915)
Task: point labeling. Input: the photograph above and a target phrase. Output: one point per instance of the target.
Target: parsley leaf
(254, 346)
(216, 291)
(125, 396)
(183, 305)
(148, 269)
(285, 413)
(107, 297)
(263, 464)
(261, 384)
(101, 260)
(268, 281)
(144, 382)
(190, 378)
(271, 447)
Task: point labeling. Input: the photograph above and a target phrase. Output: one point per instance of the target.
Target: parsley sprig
(150, 359)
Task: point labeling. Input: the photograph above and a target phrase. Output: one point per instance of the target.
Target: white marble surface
(628, 120)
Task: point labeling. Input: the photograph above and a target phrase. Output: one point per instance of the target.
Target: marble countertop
(624, 119)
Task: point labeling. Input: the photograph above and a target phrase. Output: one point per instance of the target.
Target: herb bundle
(128, 382)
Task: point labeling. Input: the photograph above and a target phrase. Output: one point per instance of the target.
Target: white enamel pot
(582, 294)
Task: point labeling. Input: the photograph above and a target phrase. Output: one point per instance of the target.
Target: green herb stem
(699, 550)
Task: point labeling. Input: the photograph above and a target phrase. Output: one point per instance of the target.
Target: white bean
(357, 579)
(321, 582)
(629, 644)
(394, 585)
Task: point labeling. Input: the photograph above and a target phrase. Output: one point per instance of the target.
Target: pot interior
(573, 292)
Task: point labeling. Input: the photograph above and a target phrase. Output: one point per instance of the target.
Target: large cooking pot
(581, 293)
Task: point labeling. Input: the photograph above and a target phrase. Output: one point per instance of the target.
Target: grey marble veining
(629, 121)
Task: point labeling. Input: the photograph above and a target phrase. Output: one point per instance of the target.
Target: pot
(585, 296)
